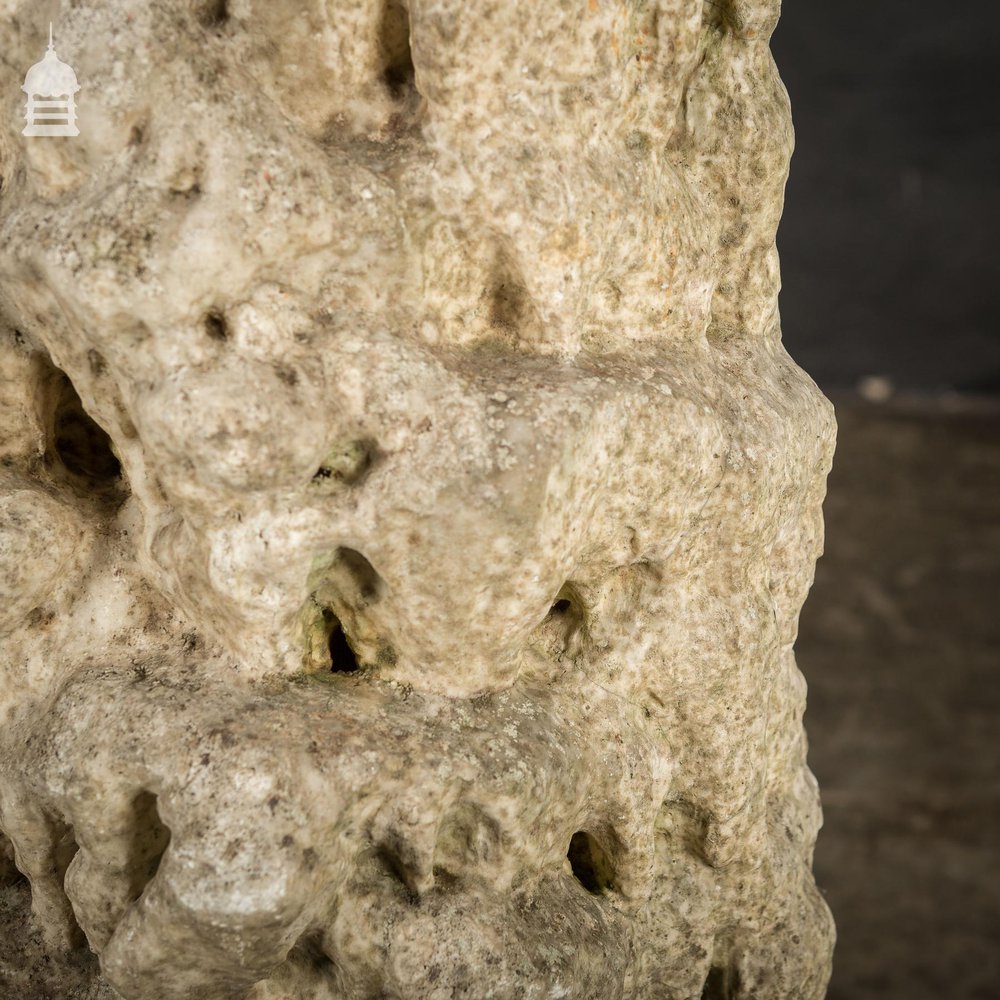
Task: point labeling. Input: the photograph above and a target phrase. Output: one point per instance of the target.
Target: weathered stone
(406, 504)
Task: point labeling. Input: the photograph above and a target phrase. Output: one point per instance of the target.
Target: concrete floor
(900, 643)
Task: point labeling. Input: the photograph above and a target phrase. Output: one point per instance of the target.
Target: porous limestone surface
(406, 505)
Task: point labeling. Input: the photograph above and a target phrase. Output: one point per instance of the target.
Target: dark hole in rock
(392, 863)
(215, 325)
(150, 837)
(508, 302)
(310, 953)
(82, 446)
(348, 463)
(563, 629)
(398, 74)
(346, 585)
(342, 658)
(723, 983)
(9, 874)
(590, 863)
(214, 13)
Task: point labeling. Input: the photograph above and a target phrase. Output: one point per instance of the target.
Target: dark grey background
(889, 260)
(889, 238)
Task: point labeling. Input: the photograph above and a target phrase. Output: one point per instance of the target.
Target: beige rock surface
(406, 505)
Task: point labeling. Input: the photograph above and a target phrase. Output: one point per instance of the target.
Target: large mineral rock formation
(406, 504)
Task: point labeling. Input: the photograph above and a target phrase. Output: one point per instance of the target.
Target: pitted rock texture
(406, 505)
